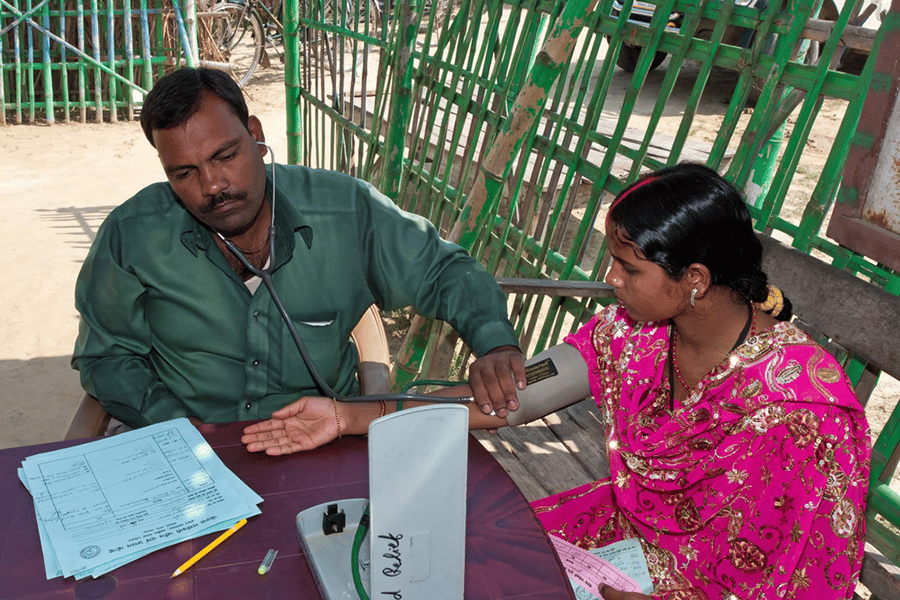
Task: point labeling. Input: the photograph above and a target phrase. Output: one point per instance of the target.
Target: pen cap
(267, 562)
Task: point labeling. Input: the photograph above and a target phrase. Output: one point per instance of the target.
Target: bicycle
(243, 30)
(237, 35)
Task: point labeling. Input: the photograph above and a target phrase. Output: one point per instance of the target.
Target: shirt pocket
(321, 337)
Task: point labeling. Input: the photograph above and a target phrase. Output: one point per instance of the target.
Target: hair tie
(774, 303)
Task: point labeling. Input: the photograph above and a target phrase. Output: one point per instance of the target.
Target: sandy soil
(60, 182)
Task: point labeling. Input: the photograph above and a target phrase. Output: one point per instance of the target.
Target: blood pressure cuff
(556, 378)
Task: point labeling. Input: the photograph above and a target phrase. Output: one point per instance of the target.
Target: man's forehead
(212, 115)
(204, 134)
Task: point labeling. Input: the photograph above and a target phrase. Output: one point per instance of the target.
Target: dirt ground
(59, 183)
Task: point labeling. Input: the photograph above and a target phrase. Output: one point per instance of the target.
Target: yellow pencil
(225, 535)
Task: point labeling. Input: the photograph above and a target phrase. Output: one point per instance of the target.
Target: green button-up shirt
(168, 328)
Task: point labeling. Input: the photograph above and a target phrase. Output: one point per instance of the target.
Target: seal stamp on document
(90, 552)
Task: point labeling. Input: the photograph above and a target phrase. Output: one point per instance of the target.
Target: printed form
(621, 565)
(105, 503)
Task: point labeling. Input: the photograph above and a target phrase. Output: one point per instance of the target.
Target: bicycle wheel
(238, 34)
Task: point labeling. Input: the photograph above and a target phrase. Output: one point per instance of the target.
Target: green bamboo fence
(88, 60)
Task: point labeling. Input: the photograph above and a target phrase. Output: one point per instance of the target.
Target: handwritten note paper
(628, 557)
(620, 565)
(105, 503)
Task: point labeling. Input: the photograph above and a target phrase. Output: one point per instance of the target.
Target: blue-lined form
(106, 503)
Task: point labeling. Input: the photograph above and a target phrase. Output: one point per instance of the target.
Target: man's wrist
(356, 416)
(506, 348)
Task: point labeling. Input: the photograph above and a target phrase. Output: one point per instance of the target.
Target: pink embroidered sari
(753, 487)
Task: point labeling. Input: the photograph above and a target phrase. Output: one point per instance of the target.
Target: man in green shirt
(174, 325)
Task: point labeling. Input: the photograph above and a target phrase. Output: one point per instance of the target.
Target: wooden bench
(845, 314)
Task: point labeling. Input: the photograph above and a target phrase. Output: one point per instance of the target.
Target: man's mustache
(221, 198)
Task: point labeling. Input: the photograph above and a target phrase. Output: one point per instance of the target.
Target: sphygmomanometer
(556, 378)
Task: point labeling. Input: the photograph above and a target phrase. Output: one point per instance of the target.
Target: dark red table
(508, 555)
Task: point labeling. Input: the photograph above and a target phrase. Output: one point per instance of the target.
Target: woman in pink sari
(738, 452)
(752, 487)
(742, 469)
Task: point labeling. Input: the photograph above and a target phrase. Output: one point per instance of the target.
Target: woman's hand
(494, 379)
(608, 593)
(308, 423)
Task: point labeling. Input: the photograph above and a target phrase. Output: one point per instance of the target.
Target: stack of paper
(106, 503)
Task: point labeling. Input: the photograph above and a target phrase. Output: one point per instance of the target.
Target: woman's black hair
(176, 98)
(689, 214)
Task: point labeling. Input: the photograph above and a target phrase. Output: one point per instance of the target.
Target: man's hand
(494, 379)
(302, 425)
(608, 593)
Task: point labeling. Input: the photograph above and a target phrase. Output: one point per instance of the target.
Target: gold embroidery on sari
(828, 374)
(746, 556)
(803, 425)
(789, 373)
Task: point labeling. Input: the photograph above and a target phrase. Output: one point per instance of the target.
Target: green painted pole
(764, 168)
(292, 80)
(147, 72)
(98, 82)
(398, 118)
(32, 95)
(48, 71)
(2, 87)
(111, 56)
(82, 75)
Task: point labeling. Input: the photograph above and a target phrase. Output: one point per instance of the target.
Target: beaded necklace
(258, 258)
(749, 328)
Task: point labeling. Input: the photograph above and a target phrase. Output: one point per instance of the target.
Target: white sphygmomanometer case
(415, 545)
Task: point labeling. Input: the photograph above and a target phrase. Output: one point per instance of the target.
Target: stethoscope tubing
(265, 274)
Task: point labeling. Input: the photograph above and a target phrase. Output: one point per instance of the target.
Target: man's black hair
(176, 98)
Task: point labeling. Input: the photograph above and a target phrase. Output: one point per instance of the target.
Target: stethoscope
(265, 274)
